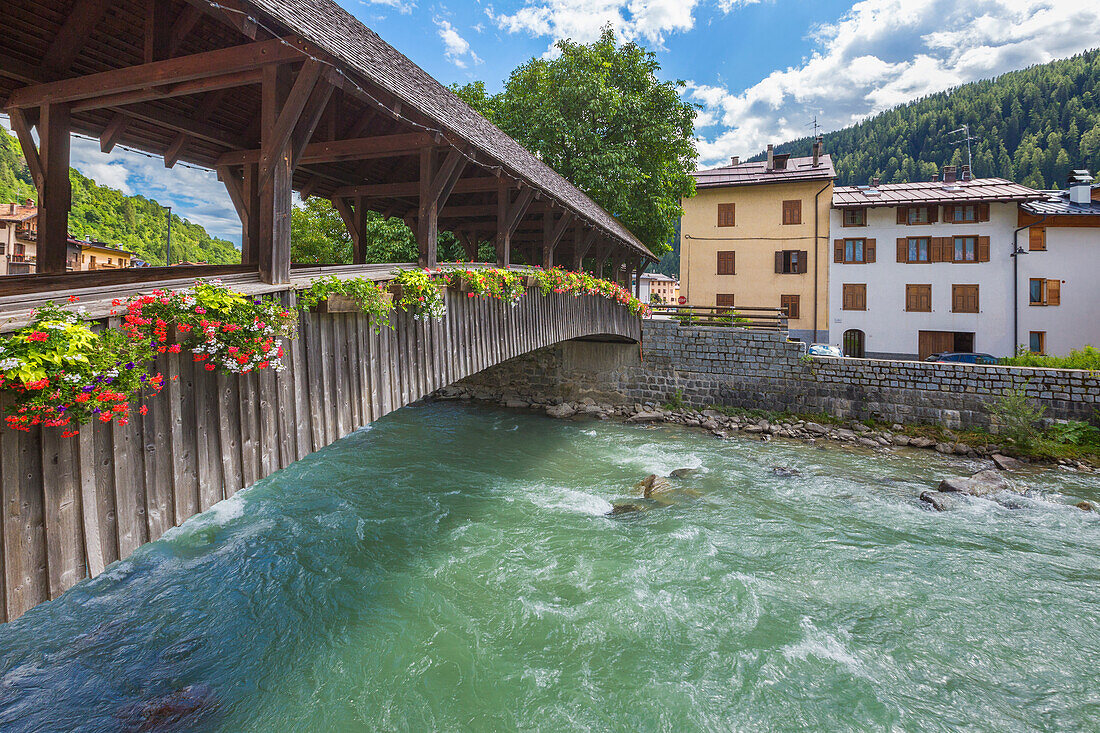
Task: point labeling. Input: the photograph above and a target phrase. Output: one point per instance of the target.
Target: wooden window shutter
(1037, 239)
(724, 300)
(838, 250)
(727, 263)
(918, 298)
(903, 215)
(726, 215)
(1054, 292)
(803, 261)
(933, 214)
(983, 249)
(945, 249)
(779, 261)
(949, 212)
(903, 249)
(869, 250)
(983, 212)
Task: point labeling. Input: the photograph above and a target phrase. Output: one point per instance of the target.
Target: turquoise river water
(453, 569)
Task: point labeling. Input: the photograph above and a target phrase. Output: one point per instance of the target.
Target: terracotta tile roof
(748, 174)
(977, 190)
(1057, 203)
(333, 29)
(21, 213)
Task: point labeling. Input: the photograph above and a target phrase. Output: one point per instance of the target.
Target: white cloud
(402, 6)
(582, 20)
(456, 48)
(882, 53)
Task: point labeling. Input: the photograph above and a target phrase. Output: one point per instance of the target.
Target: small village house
(101, 256)
(757, 235)
(656, 285)
(18, 237)
(1058, 278)
(926, 267)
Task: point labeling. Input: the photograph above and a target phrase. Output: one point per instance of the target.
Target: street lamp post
(168, 244)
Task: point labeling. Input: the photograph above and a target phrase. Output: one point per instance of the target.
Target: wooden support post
(55, 196)
(638, 270)
(250, 235)
(273, 251)
(427, 220)
(469, 245)
(355, 219)
(552, 234)
(582, 243)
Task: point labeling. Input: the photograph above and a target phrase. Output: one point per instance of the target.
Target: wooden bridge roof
(216, 125)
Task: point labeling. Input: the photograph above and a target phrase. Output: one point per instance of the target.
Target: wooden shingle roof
(363, 53)
(977, 190)
(756, 173)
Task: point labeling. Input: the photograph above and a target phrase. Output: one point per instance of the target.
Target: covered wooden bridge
(276, 96)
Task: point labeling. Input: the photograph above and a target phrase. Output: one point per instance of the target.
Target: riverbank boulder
(983, 483)
(939, 500)
(561, 411)
(1006, 463)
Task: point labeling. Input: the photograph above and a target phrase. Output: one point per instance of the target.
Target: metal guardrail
(760, 319)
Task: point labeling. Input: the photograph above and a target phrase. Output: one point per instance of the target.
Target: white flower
(11, 363)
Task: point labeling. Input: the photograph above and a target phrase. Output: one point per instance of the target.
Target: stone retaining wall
(762, 370)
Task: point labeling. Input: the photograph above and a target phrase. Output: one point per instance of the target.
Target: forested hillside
(1032, 126)
(131, 222)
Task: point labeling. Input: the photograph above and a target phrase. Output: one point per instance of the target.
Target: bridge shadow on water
(194, 629)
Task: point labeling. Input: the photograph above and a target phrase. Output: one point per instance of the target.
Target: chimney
(965, 173)
(12, 207)
(949, 174)
(1080, 193)
(771, 157)
(818, 145)
(735, 160)
(30, 202)
(874, 182)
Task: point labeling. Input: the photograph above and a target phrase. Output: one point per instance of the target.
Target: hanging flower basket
(531, 281)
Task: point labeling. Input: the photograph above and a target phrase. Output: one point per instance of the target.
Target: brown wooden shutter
(1037, 239)
(983, 249)
(903, 215)
(1054, 292)
(803, 261)
(838, 250)
(983, 212)
(933, 214)
(949, 212)
(724, 300)
(903, 249)
(935, 249)
(869, 250)
(779, 261)
(726, 215)
(727, 264)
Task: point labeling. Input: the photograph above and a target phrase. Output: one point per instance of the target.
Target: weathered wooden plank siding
(71, 506)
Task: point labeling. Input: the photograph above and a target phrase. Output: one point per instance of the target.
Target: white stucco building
(654, 283)
(921, 268)
(1059, 270)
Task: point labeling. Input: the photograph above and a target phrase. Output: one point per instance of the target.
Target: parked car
(959, 357)
(824, 350)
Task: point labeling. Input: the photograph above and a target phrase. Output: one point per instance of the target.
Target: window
(724, 300)
(855, 217)
(964, 298)
(1044, 292)
(1037, 342)
(727, 262)
(917, 249)
(966, 212)
(1037, 239)
(789, 303)
(792, 212)
(966, 249)
(854, 251)
(791, 261)
(855, 297)
(919, 215)
(726, 215)
(918, 298)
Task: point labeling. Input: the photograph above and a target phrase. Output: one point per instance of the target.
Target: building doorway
(938, 342)
(853, 343)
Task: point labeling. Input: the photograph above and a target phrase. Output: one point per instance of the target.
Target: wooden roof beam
(82, 19)
(411, 189)
(340, 151)
(183, 89)
(169, 72)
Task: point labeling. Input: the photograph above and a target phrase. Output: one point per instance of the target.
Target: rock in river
(682, 472)
(560, 411)
(1005, 463)
(179, 710)
(653, 484)
(785, 471)
(938, 500)
(983, 483)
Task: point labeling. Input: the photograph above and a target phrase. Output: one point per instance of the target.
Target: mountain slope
(1032, 126)
(134, 223)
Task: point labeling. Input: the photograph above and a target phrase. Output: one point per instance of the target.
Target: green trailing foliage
(1032, 126)
(371, 297)
(133, 223)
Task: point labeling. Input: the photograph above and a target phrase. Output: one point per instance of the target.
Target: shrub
(488, 282)
(420, 295)
(1086, 358)
(1017, 418)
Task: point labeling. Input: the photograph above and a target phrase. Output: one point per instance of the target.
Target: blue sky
(759, 69)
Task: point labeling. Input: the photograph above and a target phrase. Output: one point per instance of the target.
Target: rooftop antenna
(813, 124)
(965, 130)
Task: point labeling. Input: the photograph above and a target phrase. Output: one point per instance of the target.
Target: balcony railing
(761, 319)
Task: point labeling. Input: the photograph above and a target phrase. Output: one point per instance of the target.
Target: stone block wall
(763, 370)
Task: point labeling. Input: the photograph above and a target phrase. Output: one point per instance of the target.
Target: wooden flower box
(395, 290)
(532, 281)
(336, 303)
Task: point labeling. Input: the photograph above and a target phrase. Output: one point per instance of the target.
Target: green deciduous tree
(598, 115)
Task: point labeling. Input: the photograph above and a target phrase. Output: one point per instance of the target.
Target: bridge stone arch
(71, 506)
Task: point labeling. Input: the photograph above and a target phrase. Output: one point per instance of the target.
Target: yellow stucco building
(747, 238)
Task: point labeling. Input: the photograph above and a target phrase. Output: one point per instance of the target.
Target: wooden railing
(761, 319)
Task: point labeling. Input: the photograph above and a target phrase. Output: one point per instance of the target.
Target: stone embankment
(725, 424)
